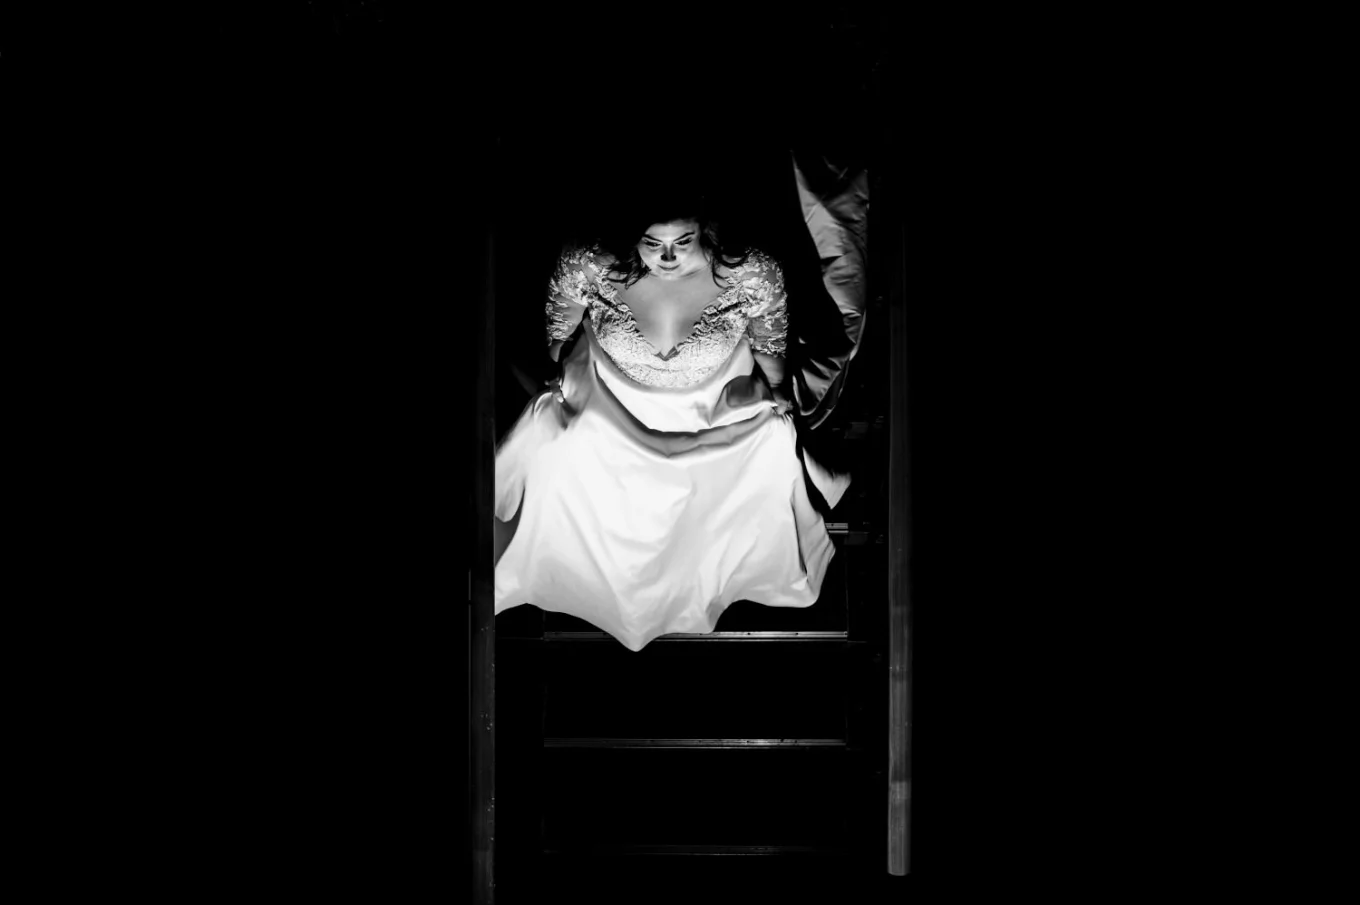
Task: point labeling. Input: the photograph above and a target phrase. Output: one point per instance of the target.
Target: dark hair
(621, 241)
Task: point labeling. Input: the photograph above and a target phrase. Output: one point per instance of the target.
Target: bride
(657, 480)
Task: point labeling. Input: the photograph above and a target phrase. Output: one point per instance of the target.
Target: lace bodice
(753, 305)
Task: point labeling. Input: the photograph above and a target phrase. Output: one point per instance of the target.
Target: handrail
(481, 606)
(899, 547)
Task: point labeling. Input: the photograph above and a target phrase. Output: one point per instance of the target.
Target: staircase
(754, 756)
(754, 760)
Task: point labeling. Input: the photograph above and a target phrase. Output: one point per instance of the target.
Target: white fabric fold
(649, 510)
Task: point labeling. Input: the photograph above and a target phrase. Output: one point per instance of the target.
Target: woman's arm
(772, 366)
(555, 349)
(768, 327)
(566, 299)
(563, 319)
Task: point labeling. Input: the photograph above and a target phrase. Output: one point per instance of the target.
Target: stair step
(723, 743)
(840, 529)
(626, 874)
(675, 797)
(853, 534)
(793, 690)
(761, 850)
(710, 636)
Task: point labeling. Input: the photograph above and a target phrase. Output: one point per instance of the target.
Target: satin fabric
(649, 510)
(834, 196)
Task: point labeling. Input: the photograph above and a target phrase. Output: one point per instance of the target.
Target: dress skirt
(648, 510)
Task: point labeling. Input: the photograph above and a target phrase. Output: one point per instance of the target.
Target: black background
(356, 175)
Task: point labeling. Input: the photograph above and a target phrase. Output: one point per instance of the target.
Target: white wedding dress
(663, 488)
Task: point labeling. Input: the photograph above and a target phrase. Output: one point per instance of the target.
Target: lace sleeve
(767, 308)
(567, 294)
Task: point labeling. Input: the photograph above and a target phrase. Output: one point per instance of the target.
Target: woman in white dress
(657, 480)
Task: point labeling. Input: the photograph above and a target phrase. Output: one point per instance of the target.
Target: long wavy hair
(620, 240)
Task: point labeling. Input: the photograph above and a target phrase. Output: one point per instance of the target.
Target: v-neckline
(631, 322)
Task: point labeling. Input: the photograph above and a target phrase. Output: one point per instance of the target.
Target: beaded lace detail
(754, 305)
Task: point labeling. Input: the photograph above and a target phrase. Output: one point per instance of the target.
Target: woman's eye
(684, 242)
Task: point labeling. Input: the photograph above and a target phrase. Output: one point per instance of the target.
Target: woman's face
(671, 250)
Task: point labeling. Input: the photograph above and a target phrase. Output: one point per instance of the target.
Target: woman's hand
(772, 366)
(783, 404)
(555, 384)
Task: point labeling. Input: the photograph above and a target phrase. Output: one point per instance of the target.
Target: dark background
(353, 183)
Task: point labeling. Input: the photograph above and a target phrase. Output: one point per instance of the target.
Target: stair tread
(707, 636)
(605, 742)
(590, 849)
